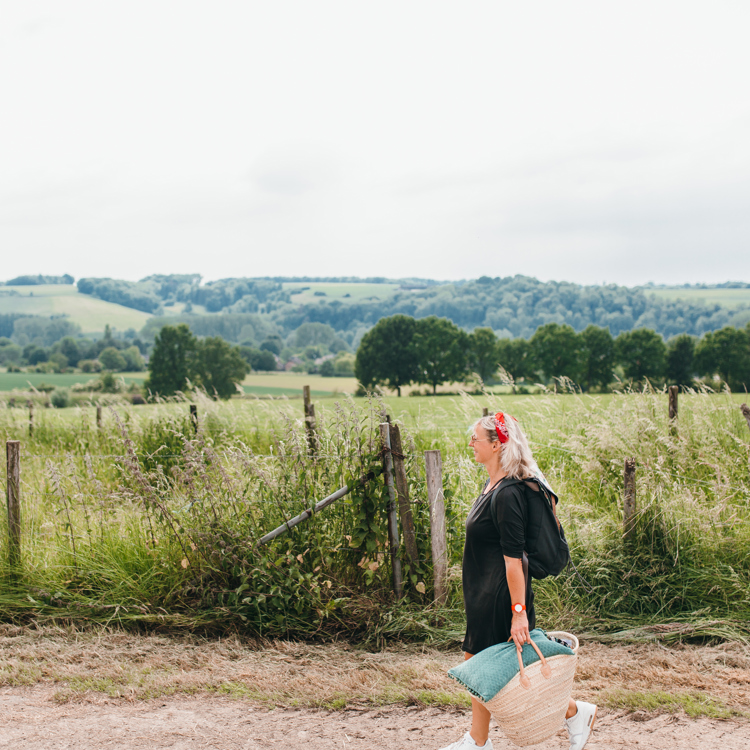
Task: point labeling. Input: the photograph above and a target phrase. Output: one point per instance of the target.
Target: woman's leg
(480, 718)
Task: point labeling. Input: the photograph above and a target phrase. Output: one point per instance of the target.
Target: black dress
(486, 594)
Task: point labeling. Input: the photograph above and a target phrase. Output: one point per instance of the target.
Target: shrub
(112, 359)
(90, 365)
(60, 398)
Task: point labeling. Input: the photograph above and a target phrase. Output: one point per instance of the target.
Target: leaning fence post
(310, 426)
(31, 419)
(628, 520)
(13, 495)
(194, 416)
(385, 437)
(402, 488)
(434, 474)
(99, 416)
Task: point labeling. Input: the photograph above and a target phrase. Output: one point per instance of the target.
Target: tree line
(114, 353)
(513, 306)
(401, 350)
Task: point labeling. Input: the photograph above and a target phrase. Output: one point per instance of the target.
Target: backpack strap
(507, 482)
(549, 496)
(532, 484)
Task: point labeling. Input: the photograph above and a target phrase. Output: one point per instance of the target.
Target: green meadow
(304, 292)
(90, 313)
(145, 522)
(711, 296)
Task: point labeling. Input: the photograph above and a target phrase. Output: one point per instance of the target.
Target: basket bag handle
(546, 669)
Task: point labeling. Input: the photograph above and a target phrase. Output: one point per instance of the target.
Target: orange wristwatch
(518, 608)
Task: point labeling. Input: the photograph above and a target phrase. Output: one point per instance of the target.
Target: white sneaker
(580, 725)
(466, 742)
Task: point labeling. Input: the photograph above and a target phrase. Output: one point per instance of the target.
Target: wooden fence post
(673, 390)
(746, 413)
(310, 426)
(485, 412)
(31, 419)
(434, 474)
(13, 495)
(628, 519)
(99, 416)
(385, 437)
(194, 416)
(402, 488)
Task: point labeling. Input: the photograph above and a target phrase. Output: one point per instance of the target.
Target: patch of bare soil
(30, 719)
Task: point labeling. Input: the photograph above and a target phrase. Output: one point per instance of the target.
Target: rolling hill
(90, 313)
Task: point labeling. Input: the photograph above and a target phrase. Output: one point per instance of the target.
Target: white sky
(586, 141)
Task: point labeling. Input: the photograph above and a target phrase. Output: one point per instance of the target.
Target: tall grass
(148, 523)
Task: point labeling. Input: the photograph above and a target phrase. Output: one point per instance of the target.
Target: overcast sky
(585, 141)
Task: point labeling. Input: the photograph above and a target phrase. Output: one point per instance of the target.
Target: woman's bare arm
(519, 628)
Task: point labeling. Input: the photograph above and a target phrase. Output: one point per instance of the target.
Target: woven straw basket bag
(532, 706)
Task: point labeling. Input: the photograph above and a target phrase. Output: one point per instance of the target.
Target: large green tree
(112, 360)
(442, 350)
(642, 354)
(484, 354)
(515, 358)
(218, 367)
(169, 366)
(681, 359)
(555, 350)
(727, 353)
(386, 354)
(597, 349)
(258, 359)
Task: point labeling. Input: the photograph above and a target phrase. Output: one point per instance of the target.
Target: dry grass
(709, 681)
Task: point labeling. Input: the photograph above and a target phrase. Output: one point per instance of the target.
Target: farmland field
(22, 380)
(90, 313)
(723, 297)
(291, 383)
(304, 291)
(255, 384)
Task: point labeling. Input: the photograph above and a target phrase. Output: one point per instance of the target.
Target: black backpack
(547, 548)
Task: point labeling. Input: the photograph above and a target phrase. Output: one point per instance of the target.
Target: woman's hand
(519, 629)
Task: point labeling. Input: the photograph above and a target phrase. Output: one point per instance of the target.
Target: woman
(499, 603)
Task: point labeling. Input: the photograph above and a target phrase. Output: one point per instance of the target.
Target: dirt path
(30, 719)
(62, 688)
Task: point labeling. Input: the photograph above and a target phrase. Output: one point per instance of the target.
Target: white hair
(516, 459)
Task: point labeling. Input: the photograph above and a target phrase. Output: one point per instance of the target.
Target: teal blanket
(487, 673)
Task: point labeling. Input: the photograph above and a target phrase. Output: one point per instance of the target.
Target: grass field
(723, 297)
(256, 384)
(10, 381)
(305, 291)
(146, 521)
(291, 383)
(56, 299)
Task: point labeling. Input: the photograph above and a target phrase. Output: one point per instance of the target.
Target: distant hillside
(725, 296)
(54, 300)
(512, 306)
(38, 280)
